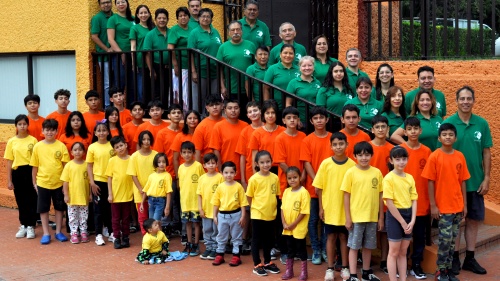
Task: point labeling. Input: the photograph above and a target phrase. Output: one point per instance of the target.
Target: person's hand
(484, 187)
(152, 74)
(465, 212)
(244, 184)
(215, 220)
(223, 91)
(110, 198)
(194, 77)
(202, 214)
(380, 223)
(285, 226)
(322, 214)
(303, 178)
(409, 227)
(35, 187)
(292, 226)
(141, 208)
(167, 211)
(124, 59)
(96, 190)
(435, 214)
(176, 70)
(241, 222)
(145, 262)
(10, 185)
(66, 198)
(348, 224)
(109, 50)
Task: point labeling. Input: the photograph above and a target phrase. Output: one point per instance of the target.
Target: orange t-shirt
(176, 145)
(154, 129)
(448, 171)
(202, 135)
(285, 151)
(224, 139)
(129, 130)
(68, 142)
(314, 150)
(114, 132)
(163, 142)
(264, 140)
(35, 128)
(92, 119)
(125, 117)
(62, 119)
(241, 149)
(380, 158)
(416, 163)
(353, 140)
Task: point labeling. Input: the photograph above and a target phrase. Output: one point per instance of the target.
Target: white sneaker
(105, 232)
(99, 240)
(30, 232)
(21, 233)
(111, 238)
(329, 275)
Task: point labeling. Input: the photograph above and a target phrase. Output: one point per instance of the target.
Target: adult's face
(183, 19)
(252, 12)
(424, 103)
(353, 58)
(338, 73)
(205, 19)
(385, 74)
(121, 5)
(426, 80)
(262, 57)
(194, 8)
(287, 55)
(235, 32)
(364, 90)
(465, 101)
(321, 46)
(287, 32)
(307, 68)
(105, 5)
(161, 20)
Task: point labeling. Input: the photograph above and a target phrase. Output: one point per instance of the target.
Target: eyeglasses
(205, 17)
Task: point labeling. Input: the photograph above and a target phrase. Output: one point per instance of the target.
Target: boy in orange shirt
(93, 115)
(32, 104)
(203, 133)
(61, 115)
(350, 118)
(129, 129)
(447, 172)
(155, 124)
(117, 97)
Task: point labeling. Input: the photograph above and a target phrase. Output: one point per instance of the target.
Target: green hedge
(438, 53)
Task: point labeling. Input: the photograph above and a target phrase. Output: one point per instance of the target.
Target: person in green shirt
(257, 70)
(426, 80)
(322, 62)
(368, 107)
(305, 86)
(254, 30)
(143, 24)
(287, 34)
(353, 58)
(194, 7)
(280, 74)
(119, 25)
(383, 81)
(178, 38)
(474, 141)
(99, 34)
(394, 109)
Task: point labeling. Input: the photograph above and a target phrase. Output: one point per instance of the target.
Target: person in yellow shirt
(362, 186)
(76, 193)
(207, 184)
(19, 175)
(48, 159)
(158, 188)
(400, 196)
(154, 244)
(295, 209)
(120, 192)
(262, 189)
(189, 175)
(229, 202)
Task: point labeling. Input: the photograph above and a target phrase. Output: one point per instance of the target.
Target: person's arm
(294, 224)
(397, 136)
(93, 187)
(289, 102)
(197, 155)
(242, 220)
(464, 195)
(216, 213)
(319, 193)
(133, 47)
(66, 191)
(110, 189)
(137, 184)
(113, 44)
(200, 207)
(283, 166)
(380, 213)
(176, 164)
(217, 153)
(194, 74)
(413, 217)
(347, 210)
(254, 153)
(10, 184)
(243, 171)
(144, 196)
(283, 220)
(174, 59)
(484, 187)
(98, 42)
(266, 92)
(247, 87)
(432, 200)
(395, 213)
(34, 172)
(167, 206)
(223, 89)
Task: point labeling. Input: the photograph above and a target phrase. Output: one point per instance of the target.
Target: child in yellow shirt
(154, 244)
(158, 189)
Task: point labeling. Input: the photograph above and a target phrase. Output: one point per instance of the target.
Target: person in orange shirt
(76, 131)
(350, 118)
(112, 117)
(129, 129)
(155, 124)
(117, 97)
(447, 172)
(203, 133)
(32, 104)
(61, 97)
(93, 115)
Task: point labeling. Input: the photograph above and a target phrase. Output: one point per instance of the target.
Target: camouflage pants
(448, 231)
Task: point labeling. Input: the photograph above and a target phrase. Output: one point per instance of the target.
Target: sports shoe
(259, 270)
(247, 248)
(111, 238)
(195, 250)
(184, 239)
(61, 237)
(418, 272)
(441, 275)
(187, 248)
(201, 240)
(329, 275)
(117, 243)
(471, 264)
(30, 232)
(353, 279)
(271, 268)
(105, 232)
(99, 240)
(274, 254)
(455, 265)
(283, 258)
(21, 233)
(205, 254)
(344, 273)
(235, 261)
(452, 276)
(125, 242)
(324, 256)
(316, 258)
(74, 239)
(369, 276)
(219, 259)
(84, 237)
(45, 240)
(212, 255)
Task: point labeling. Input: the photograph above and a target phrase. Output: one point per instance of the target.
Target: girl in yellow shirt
(158, 189)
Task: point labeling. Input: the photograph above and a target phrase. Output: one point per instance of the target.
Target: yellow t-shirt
(141, 166)
(263, 191)
(229, 197)
(206, 188)
(401, 190)
(293, 204)
(19, 150)
(49, 159)
(154, 243)
(188, 184)
(76, 175)
(329, 179)
(99, 154)
(365, 187)
(121, 183)
(158, 185)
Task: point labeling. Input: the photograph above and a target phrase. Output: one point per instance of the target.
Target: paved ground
(24, 259)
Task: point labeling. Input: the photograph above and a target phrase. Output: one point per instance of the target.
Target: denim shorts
(395, 232)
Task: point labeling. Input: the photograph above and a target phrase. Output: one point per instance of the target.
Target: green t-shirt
(274, 56)
(321, 69)
(430, 127)
(280, 76)
(138, 33)
(256, 71)
(366, 110)
(178, 37)
(155, 40)
(122, 28)
(333, 99)
(99, 26)
(258, 35)
(472, 139)
(239, 56)
(353, 78)
(192, 23)
(440, 101)
(395, 121)
(306, 90)
(208, 43)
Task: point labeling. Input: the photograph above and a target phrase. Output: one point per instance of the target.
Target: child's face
(154, 228)
(162, 163)
(137, 112)
(62, 101)
(101, 132)
(399, 163)
(380, 130)
(293, 179)
(253, 113)
(192, 120)
(117, 99)
(339, 147)
(146, 141)
(270, 116)
(363, 159)
(232, 110)
(155, 112)
(210, 166)
(120, 149)
(22, 126)
(76, 122)
(113, 117)
(187, 155)
(214, 109)
(32, 106)
(49, 134)
(93, 103)
(350, 119)
(291, 121)
(413, 132)
(447, 137)
(319, 121)
(228, 173)
(77, 151)
(264, 162)
(175, 116)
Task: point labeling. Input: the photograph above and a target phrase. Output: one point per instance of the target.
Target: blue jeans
(122, 79)
(156, 207)
(104, 67)
(317, 243)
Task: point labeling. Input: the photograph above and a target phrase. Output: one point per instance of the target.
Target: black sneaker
(369, 276)
(118, 243)
(125, 242)
(442, 275)
(205, 255)
(184, 239)
(259, 270)
(418, 272)
(455, 266)
(271, 268)
(383, 267)
(452, 276)
(471, 264)
(187, 248)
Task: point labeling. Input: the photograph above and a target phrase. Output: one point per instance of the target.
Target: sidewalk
(24, 259)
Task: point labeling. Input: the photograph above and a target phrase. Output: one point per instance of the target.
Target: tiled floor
(23, 259)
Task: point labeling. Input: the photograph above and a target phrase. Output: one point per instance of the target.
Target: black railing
(425, 29)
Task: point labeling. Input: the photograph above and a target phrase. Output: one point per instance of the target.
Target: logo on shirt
(459, 168)
(297, 74)
(373, 111)
(438, 105)
(112, 153)
(85, 175)
(298, 56)
(477, 136)
(260, 33)
(349, 97)
(273, 188)
(422, 163)
(58, 155)
(296, 206)
(246, 52)
(30, 147)
(318, 86)
(194, 178)
(236, 197)
(161, 183)
(218, 40)
(374, 183)
(438, 125)
(214, 187)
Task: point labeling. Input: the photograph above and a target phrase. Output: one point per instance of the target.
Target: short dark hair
(34, 98)
(50, 124)
(292, 169)
(116, 140)
(229, 100)
(398, 152)
(62, 92)
(113, 90)
(155, 103)
(174, 106)
(148, 224)
(379, 119)
(234, 22)
(253, 104)
(180, 10)
(262, 48)
(21, 117)
(91, 94)
(139, 103)
(251, 2)
(141, 136)
(287, 46)
(229, 164)
(338, 135)
(349, 107)
(260, 154)
(467, 88)
(447, 127)
(363, 146)
(157, 157)
(425, 68)
(318, 110)
(209, 157)
(213, 99)
(206, 10)
(365, 80)
(161, 11)
(290, 110)
(187, 145)
(412, 121)
(82, 146)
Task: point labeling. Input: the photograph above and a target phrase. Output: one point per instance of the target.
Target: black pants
(296, 247)
(278, 230)
(25, 194)
(262, 236)
(419, 235)
(102, 209)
